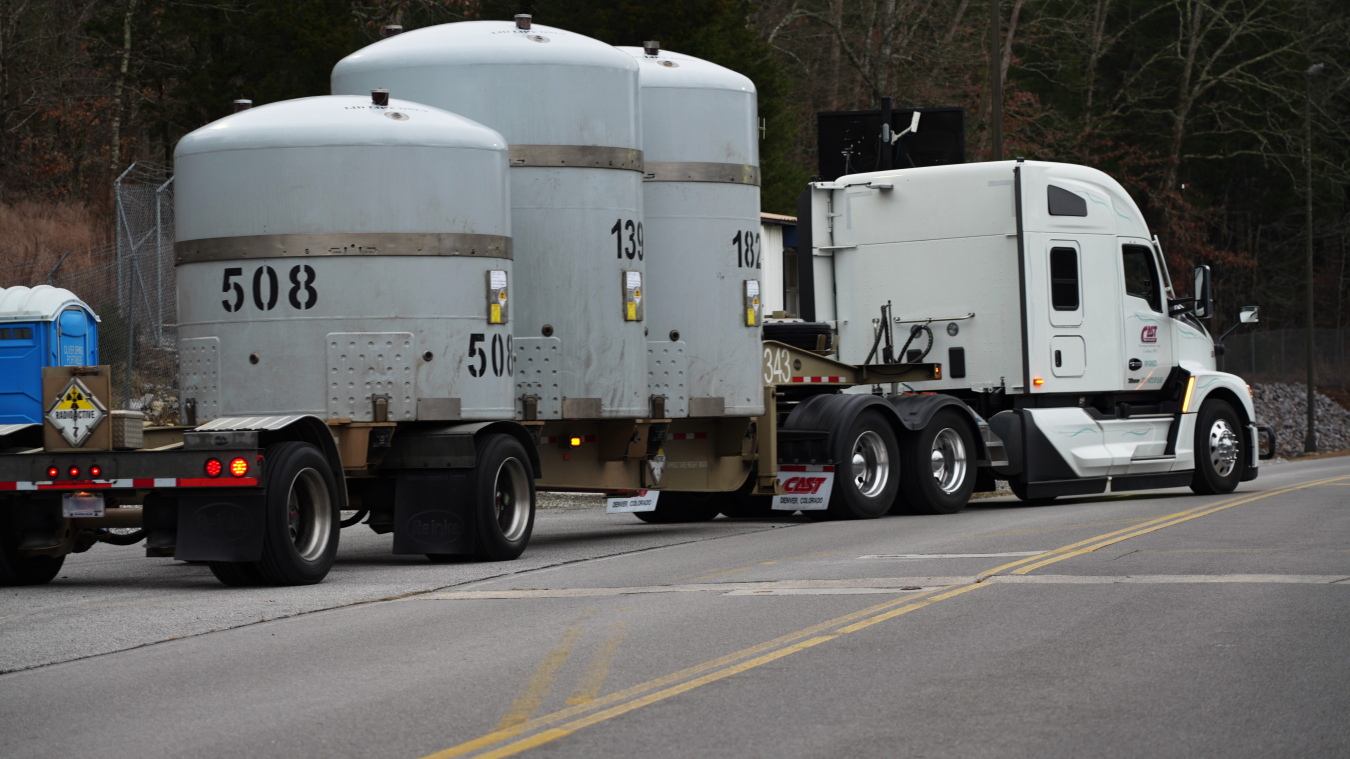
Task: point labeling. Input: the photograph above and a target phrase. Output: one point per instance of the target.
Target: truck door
(1148, 341)
(1138, 440)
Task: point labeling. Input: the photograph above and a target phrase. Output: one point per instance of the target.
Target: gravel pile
(1285, 407)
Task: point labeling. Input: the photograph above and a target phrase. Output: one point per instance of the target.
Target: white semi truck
(420, 317)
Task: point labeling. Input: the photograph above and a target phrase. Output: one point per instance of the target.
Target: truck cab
(1040, 289)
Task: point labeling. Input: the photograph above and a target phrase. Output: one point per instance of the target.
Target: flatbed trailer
(260, 498)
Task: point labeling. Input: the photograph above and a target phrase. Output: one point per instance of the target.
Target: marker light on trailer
(74, 473)
(1038, 382)
(53, 472)
(1186, 403)
(95, 470)
(213, 467)
(574, 442)
(238, 467)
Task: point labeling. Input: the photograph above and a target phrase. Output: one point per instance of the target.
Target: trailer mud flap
(434, 512)
(220, 528)
(806, 488)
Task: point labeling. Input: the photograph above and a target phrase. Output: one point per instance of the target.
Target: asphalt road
(1155, 624)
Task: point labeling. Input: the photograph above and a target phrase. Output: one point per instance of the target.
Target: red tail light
(53, 472)
(74, 473)
(239, 467)
(213, 467)
(95, 470)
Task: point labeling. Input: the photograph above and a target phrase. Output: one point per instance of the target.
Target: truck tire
(1218, 449)
(938, 465)
(802, 335)
(300, 521)
(505, 498)
(674, 507)
(16, 568)
(866, 481)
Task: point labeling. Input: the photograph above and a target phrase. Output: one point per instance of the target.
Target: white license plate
(82, 505)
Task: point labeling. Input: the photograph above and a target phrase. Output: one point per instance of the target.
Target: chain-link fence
(131, 286)
(1280, 355)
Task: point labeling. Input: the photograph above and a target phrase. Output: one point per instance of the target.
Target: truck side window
(1064, 279)
(1141, 275)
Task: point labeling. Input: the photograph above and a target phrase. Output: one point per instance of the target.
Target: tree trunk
(115, 155)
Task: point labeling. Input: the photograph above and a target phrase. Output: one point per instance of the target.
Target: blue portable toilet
(40, 326)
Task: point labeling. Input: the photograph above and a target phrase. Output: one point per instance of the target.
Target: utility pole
(1310, 440)
(995, 80)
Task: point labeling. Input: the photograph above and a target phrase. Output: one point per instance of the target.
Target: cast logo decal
(1136, 364)
(1149, 334)
(803, 485)
(76, 413)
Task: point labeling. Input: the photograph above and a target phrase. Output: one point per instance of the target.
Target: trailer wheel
(505, 498)
(866, 484)
(676, 507)
(1218, 449)
(16, 568)
(300, 524)
(938, 461)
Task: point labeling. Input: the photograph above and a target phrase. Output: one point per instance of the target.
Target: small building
(40, 326)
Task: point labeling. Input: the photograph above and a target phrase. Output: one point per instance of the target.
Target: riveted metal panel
(539, 374)
(362, 365)
(667, 375)
(199, 375)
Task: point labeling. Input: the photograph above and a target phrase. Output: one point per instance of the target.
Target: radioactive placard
(76, 413)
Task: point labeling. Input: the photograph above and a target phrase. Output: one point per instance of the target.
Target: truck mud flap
(434, 512)
(220, 527)
(1127, 482)
(1055, 488)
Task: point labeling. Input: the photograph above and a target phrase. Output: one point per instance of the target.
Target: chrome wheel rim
(309, 514)
(1223, 447)
(511, 499)
(871, 464)
(949, 460)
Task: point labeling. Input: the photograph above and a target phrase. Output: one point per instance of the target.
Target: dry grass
(34, 234)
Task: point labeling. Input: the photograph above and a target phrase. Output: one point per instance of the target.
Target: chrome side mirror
(1203, 294)
(1250, 314)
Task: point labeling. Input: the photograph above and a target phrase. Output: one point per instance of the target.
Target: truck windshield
(1141, 275)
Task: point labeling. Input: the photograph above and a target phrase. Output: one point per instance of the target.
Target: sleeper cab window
(1064, 279)
(1065, 203)
(1141, 275)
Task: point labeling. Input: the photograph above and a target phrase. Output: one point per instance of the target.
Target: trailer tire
(1219, 463)
(505, 499)
(740, 504)
(300, 521)
(240, 574)
(866, 481)
(16, 568)
(937, 465)
(675, 507)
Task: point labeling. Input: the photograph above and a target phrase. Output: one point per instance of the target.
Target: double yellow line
(1158, 523)
(567, 721)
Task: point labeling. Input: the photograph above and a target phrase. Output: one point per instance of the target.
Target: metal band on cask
(354, 244)
(698, 171)
(579, 156)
